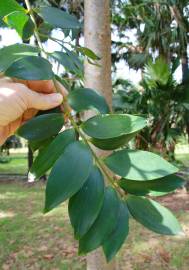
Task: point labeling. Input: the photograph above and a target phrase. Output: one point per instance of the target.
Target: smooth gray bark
(98, 38)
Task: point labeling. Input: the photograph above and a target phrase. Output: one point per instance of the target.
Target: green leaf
(87, 52)
(59, 18)
(39, 144)
(75, 33)
(186, 105)
(45, 30)
(89, 199)
(69, 61)
(115, 240)
(112, 144)
(103, 225)
(30, 68)
(21, 23)
(9, 6)
(153, 216)
(85, 99)
(164, 185)
(14, 52)
(157, 73)
(112, 131)
(113, 125)
(75, 59)
(50, 111)
(139, 165)
(68, 175)
(157, 193)
(42, 127)
(45, 159)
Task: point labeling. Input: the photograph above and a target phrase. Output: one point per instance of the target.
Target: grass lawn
(17, 164)
(31, 240)
(18, 161)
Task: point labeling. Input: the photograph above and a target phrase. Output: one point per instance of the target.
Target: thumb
(44, 101)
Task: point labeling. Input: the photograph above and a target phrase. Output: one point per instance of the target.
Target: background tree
(161, 30)
(97, 37)
(162, 100)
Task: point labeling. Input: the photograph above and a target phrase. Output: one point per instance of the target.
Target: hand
(18, 103)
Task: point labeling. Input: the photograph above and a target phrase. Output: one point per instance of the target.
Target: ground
(16, 165)
(33, 241)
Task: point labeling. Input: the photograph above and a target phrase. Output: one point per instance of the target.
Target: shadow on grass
(31, 240)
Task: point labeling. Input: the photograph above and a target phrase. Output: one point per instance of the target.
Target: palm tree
(162, 100)
(161, 29)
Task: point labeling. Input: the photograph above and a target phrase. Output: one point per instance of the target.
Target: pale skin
(21, 100)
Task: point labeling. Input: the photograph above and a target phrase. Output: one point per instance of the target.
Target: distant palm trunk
(30, 158)
(185, 68)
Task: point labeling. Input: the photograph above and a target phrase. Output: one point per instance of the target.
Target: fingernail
(56, 98)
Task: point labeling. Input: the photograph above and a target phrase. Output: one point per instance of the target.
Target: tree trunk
(185, 79)
(98, 38)
(30, 162)
(185, 68)
(30, 158)
(97, 35)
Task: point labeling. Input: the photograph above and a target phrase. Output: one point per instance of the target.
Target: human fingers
(41, 101)
(38, 86)
(30, 113)
(7, 131)
(43, 86)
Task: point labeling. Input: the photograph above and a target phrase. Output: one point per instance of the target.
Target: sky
(10, 37)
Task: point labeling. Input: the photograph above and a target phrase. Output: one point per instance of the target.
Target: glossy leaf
(76, 60)
(42, 127)
(9, 6)
(85, 99)
(59, 18)
(112, 125)
(115, 240)
(112, 131)
(45, 159)
(103, 225)
(39, 144)
(89, 199)
(112, 144)
(30, 68)
(164, 185)
(87, 52)
(153, 216)
(44, 30)
(21, 23)
(69, 61)
(68, 175)
(139, 165)
(75, 33)
(14, 52)
(157, 193)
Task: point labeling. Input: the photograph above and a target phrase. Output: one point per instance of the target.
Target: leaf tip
(46, 210)
(108, 258)
(76, 235)
(108, 255)
(81, 252)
